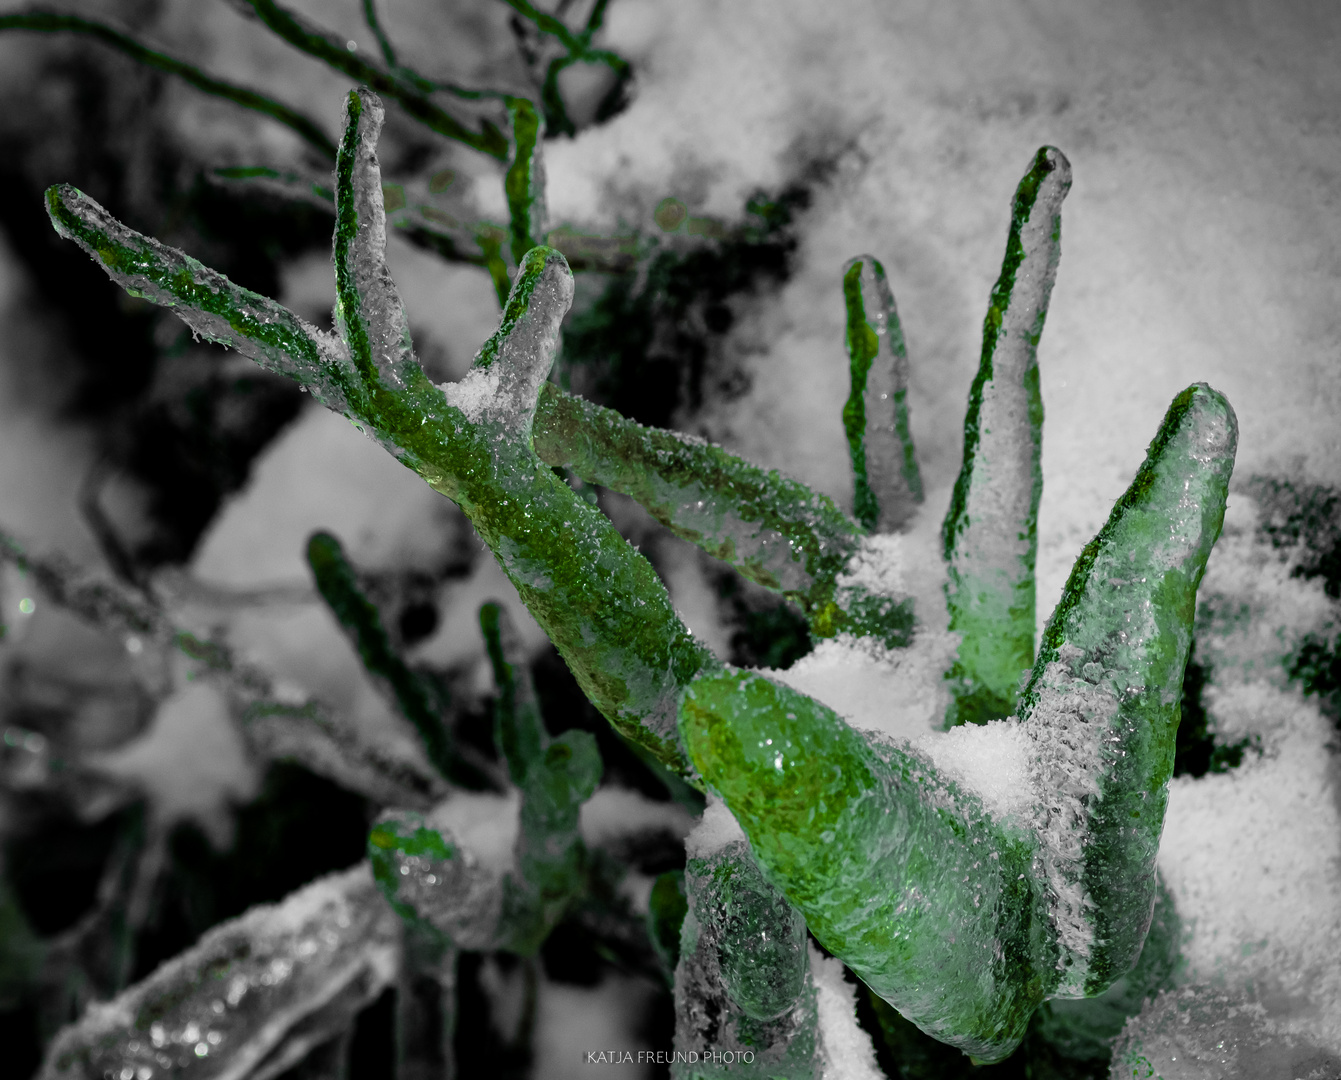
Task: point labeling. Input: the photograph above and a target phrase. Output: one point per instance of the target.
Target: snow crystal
(717, 828)
(848, 1053)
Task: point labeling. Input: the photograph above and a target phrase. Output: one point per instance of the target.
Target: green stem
(991, 529)
(1103, 701)
(888, 484)
(326, 47)
(362, 623)
(49, 22)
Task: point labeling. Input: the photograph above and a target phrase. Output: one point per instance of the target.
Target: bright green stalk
(471, 442)
(884, 464)
(991, 530)
(1103, 700)
(897, 871)
(961, 920)
(774, 530)
(309, 130)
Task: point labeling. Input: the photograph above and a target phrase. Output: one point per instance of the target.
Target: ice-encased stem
(256, 993)
(616, 628)
(991, 529)
(962, 921)
(442, 889)
(743, 977)
(1102, 704)
(774, 530)
(888, 484)
(519, 731)
(525, 180)
(897, 872)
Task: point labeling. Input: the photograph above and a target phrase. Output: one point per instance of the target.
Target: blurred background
(708, 178)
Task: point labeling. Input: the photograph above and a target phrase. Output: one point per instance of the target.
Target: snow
(993, 761)
(715, 830)
(895, 693)
(191, 762)
(848, 1053)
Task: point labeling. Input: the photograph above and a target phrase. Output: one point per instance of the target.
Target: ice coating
(743, 978)
(888, 485)
(991, 529)
(368, 310)
(251, 989)
(775, 531)
(1102, 703)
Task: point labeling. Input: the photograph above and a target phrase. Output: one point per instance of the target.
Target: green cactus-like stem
(896, 871)
(524, 184)
(991, 530)
(600, 602)
(406, 690)
(774, 530)
(1102, 704)
(963, 921)
(888, 484)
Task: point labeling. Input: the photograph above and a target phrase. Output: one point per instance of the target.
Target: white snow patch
(320, 475)
(614, 812)
(1253, 857)
(896, 693)
(991, 760)
(483, 823)
(717, 828)
(848, 1053)
(879, 566)
(474, 392)
(191, 762)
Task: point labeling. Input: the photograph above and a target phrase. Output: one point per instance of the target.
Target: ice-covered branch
(875, 418)
(256, 995)
(963, 904)
(991, 529)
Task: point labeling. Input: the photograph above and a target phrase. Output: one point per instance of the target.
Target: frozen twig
(991, 529)
(887, 480)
